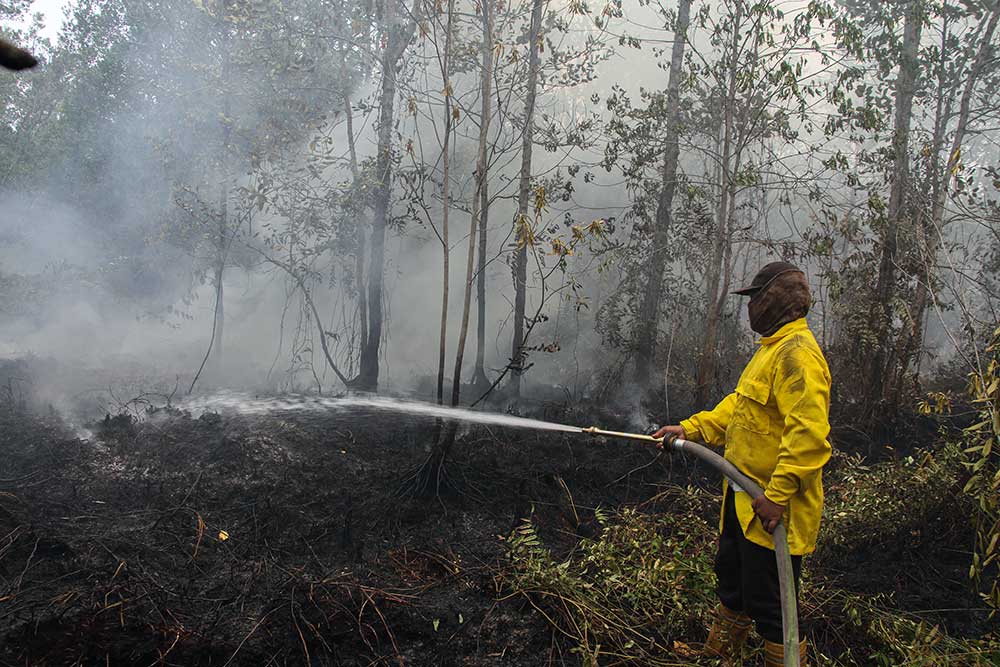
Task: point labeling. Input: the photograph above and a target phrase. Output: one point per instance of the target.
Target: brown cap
(765, 276)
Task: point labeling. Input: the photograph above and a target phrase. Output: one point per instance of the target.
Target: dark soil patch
(237, 540)
(282, 540)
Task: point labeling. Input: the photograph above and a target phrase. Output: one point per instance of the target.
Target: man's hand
(768, 512)
(669, 432)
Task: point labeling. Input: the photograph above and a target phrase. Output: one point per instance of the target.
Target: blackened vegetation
(113, 550)
(285, 539)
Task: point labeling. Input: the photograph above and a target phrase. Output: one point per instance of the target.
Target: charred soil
(283, 539)
(292, 539)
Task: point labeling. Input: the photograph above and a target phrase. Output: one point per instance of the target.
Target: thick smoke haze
(195, 135)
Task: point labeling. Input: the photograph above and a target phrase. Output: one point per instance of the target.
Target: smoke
(116, 252)
(109, 252)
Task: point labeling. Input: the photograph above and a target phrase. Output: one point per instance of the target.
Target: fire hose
(738, 481)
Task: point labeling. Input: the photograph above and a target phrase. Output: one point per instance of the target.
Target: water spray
(738, 481)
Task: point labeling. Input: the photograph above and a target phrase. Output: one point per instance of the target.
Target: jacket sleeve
(802, 392)
(710, 426)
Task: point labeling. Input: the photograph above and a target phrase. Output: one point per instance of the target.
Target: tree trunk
(446, 203)
(721, 248)
(220, 268)
(886, 283)
(222, 241)
(481, 176)
(480, 380)
(359, 257)
(650, 307)
(521, 222)
(396, 42)
(432, 472)
(931, 232)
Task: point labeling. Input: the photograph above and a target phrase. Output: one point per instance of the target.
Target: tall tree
(479, 201)
(398, 33)
(762, 84)
(223, 236)
(431, 474)
(445, 61)
(718, 273)
(945, 172)
(660, 251)
(522, 224)
(899, 191)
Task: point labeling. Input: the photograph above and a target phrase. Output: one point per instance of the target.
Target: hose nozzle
(593, 430)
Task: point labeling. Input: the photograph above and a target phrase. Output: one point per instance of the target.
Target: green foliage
(890, 506)
(625, 596)
(647, 580)
(910, 506)
(894, 638)
(983, 487)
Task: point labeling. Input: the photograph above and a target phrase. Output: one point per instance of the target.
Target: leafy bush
(623, 598)
(892, 506)
(983, 461)
(890, 637)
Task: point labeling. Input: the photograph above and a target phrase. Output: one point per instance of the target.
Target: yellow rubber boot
(774, 654)
(725, 639)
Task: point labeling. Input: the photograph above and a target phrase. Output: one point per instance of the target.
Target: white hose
(786, 576)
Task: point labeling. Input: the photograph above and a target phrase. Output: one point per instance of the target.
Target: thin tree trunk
(214, 352)
(432, 473)
(396, 42)
(721, 248)
(521, 222)
(479, 379)
(886, 283)
(446, 203)
(653, 294)
(359, 258)
(481, 176)
(222, 241)
(220, 268)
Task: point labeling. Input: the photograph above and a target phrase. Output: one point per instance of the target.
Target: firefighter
(774, 428)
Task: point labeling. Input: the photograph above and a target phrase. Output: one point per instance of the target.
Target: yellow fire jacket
(775, 427)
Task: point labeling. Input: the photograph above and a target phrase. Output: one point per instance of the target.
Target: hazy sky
(52, 9)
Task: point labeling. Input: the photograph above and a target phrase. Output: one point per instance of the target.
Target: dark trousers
(748, 576)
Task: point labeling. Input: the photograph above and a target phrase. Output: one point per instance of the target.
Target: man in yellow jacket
(774, 428)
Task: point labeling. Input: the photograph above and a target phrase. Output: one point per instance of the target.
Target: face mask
(785, 299)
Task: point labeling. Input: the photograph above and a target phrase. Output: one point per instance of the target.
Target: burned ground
(113, 547)
(285, 539)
